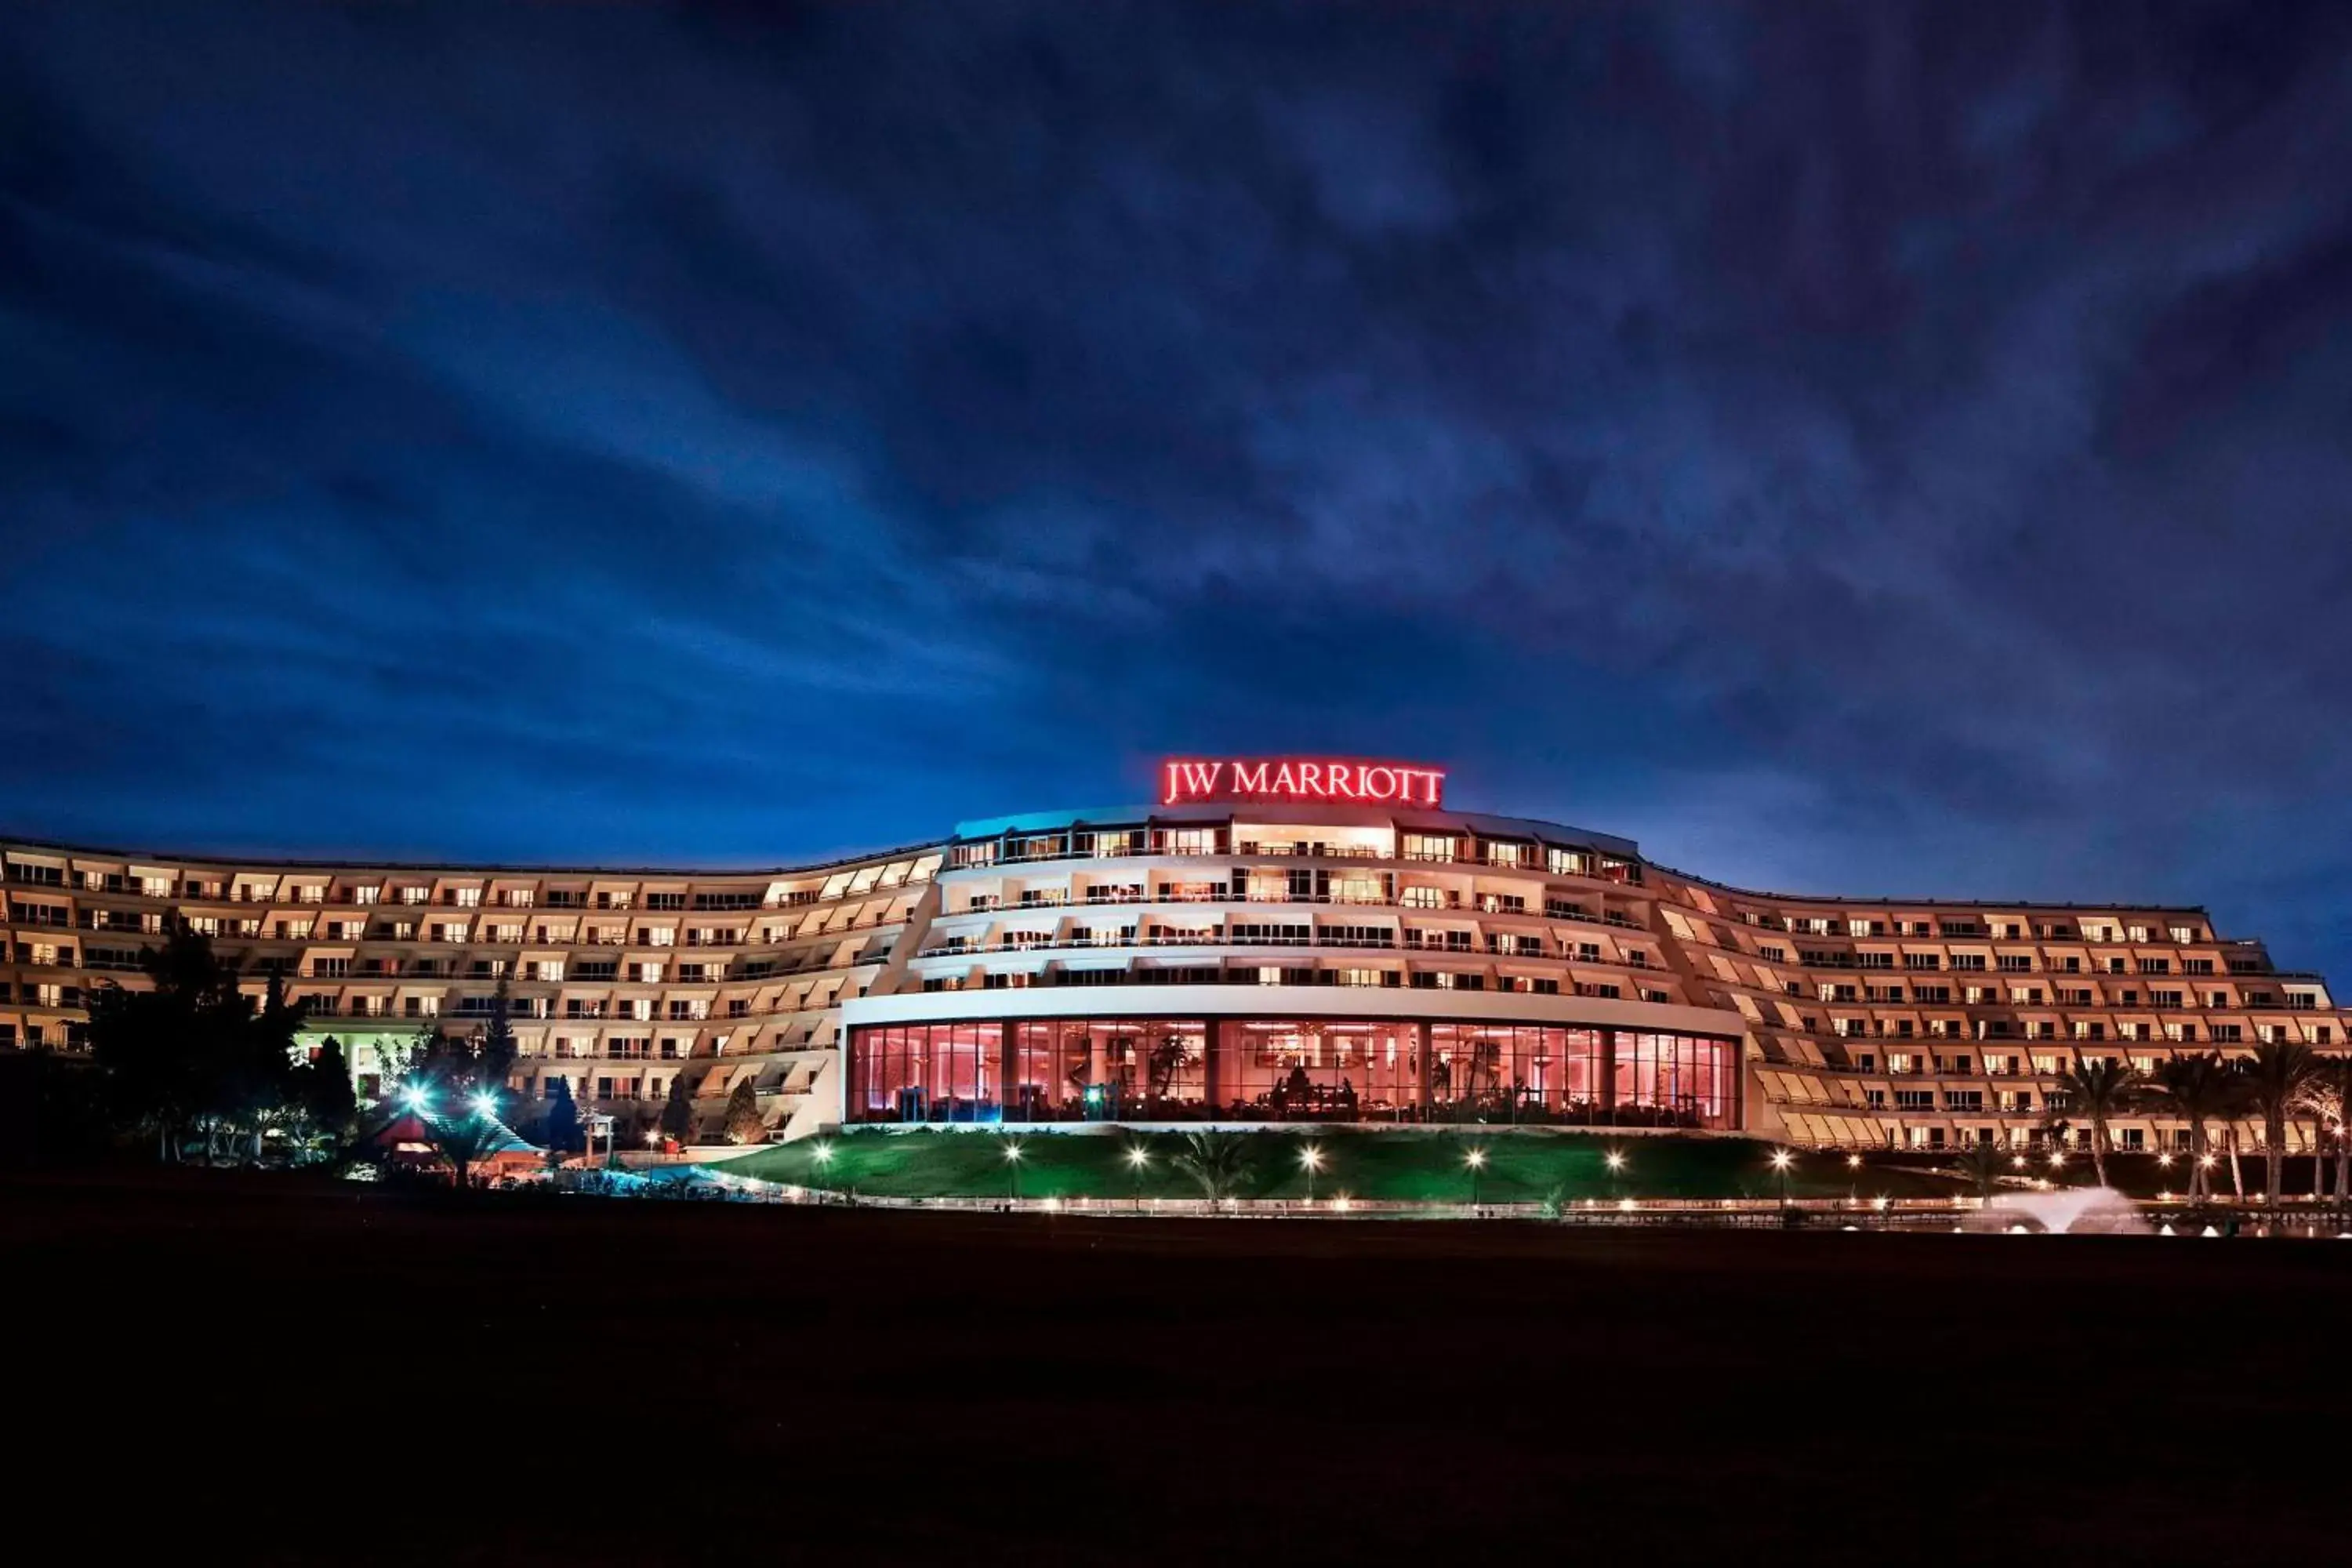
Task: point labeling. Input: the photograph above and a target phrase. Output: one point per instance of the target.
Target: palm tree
(1218, 1160)
(2197, 1088)
(2275, 1076)
(2099, 1089)
(464, 1137)
(2328, 1097)
(1982, 1165)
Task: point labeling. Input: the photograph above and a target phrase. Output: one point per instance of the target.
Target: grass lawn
(1521, 1166)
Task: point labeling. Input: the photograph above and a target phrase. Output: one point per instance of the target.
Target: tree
(192, 1051)
(2099, 1089)
(2196, 1089)
(322, 1087)
(2275, 1076)
(494, 1047)
(562, 1131)
(1982, 1165)
(1218, 1160)
(464, 1136)
(677, 1112)
(2328, 1097)
(745, 1123)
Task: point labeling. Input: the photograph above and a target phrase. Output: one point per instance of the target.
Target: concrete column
(1420, 1053)
(1007, 1071)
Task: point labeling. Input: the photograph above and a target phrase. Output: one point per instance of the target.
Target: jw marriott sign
(1186, 780)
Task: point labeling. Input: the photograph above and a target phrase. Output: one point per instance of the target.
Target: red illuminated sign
(1183, 780)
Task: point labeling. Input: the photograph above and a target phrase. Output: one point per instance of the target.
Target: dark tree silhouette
(677, 1112)
(192, 1052)
(744, 1124)
(494, 1049)
(323, 1089)
(562, 1130)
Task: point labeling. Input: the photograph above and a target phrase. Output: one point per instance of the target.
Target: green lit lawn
(1521, 1166)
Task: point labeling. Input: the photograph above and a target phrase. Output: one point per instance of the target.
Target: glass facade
(1338, 1069)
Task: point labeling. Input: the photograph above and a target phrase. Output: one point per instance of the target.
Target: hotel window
(1504, 854)
(2139, 933)
(1188, 841)
(465, 898)
(1427, 847)
(2184, 934)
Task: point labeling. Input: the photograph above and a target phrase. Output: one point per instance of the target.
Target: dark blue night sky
(1861, 449)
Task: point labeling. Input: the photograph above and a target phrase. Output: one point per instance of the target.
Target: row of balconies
(1488, 856)
(2108, 925)
(306, 898)
(1495, 947)
(2158, 1002)
(2229, 1032)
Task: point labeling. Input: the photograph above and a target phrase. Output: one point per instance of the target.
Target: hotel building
(1270, 942)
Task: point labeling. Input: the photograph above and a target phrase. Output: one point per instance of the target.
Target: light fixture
(1475, 1159)
(486, 1105)
(1616, 1160)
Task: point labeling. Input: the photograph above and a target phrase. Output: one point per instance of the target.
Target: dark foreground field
(257, 1369)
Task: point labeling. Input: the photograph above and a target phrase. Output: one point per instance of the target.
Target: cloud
(1882, 446)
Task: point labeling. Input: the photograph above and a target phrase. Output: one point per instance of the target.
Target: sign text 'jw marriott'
(1296, 778)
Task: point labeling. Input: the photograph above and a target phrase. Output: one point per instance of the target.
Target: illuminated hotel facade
(1273, 941)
